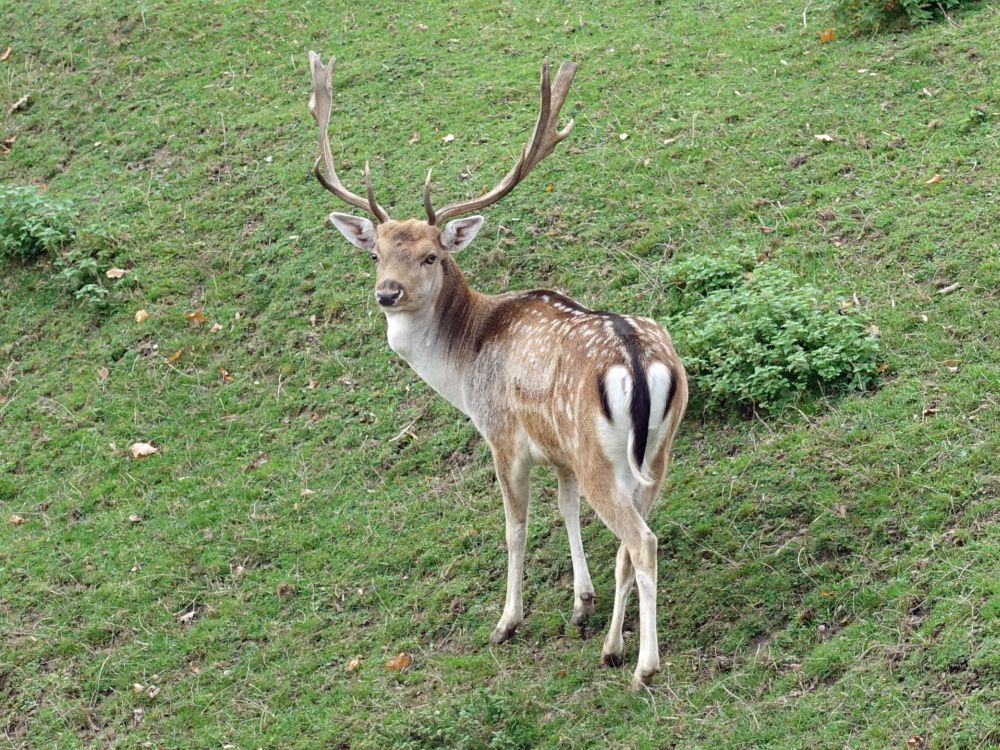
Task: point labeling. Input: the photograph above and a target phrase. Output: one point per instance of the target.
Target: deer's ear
(358, 231)
(457, 234)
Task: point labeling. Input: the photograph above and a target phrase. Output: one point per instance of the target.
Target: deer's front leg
(512, 473)
(569, 506)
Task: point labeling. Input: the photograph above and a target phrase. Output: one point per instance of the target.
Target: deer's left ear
(359, 231)
(457, 234)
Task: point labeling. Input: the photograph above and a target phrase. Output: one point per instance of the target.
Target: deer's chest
(422, 351)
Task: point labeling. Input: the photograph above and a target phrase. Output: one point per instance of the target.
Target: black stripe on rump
(671, 392)
(640, 388)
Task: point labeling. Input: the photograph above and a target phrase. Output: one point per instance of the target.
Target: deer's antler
(544, 139)
(319, 105)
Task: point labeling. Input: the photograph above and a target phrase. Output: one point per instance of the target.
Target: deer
(596, 395)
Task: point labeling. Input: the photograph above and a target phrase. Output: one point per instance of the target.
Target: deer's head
(410, 254)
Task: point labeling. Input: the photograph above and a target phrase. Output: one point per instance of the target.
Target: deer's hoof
(501, 634)
(583, 610)
(643, 677)
(612, 660)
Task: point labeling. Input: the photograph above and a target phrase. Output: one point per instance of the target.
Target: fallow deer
(597, 396)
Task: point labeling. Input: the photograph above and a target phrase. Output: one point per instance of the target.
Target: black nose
(388, 294)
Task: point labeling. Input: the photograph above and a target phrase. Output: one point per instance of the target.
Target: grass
(828, 574)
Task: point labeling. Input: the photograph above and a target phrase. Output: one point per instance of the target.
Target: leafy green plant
(694, 277)
(766, 341)
(32, 223)
(873, 16)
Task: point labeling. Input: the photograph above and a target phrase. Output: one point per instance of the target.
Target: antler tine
(428, 206)
(320, 103)
(543, 141)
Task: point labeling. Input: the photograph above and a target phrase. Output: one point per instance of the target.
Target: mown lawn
(829, 575)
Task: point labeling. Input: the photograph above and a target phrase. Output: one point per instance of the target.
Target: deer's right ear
(358, 231)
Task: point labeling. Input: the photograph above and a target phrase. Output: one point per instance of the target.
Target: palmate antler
(543, 141)
(319, 105)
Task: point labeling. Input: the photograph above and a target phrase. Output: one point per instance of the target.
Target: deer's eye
(429, 260)
(375, 257)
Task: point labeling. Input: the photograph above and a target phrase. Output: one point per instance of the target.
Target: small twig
(950, 288)
(805, 10)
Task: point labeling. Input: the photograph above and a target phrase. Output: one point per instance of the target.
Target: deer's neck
(438, 342)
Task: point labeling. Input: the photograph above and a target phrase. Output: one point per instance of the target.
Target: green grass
(828, 576)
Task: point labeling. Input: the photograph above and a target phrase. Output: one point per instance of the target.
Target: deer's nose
(388, 293)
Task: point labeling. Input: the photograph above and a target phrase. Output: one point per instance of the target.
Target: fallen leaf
(137, 688)
(824, 137)
(187, 617)
(934, 124)
(306, 492)
(623, 136)
(929, 411)
(153, 691)
(135, 518)
(174, 357)
(421, 26)
(448, 138)
(549, 188)
(141, 316)
(882, 368)
(915, 741)
(138, 714)
(256, 463)
(311, 385)
(115, 273)
(285, 590)
(20, 105)
(103, 372)
(197, 316)
(934, 180)
(216, 327)
(353, 664)
(6, 144)
(227, 376)
(142, 450)
(414, 138)
(400, 662)
(15, 519)
(873, 330)
(794, 162)
(826, 36)
(5, 54)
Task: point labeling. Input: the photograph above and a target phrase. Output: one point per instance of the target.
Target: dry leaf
(549, 188)
(5, 55)
(142, 450)
(353, 664)
(448, 138)
(306, 492)
(137, 688)
(400, 662)
(20, 105)
(915, 741)
(824, 137)
(929, 411)
(187, 617)
(115, 273)
(256, 463)
(421, 26)
(141, 316)
(216, 327)
(6, 144)
(826, 36)
(311, 385)
(414, 138)
(103, 372)
(153, 691)
(227, 376)
(197, 316)
(934, 180)
(15, 519)
(134, 518)
(623, 136)
(934, 124)
(174, 357)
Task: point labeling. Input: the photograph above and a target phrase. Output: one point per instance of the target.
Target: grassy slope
(828, 577)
